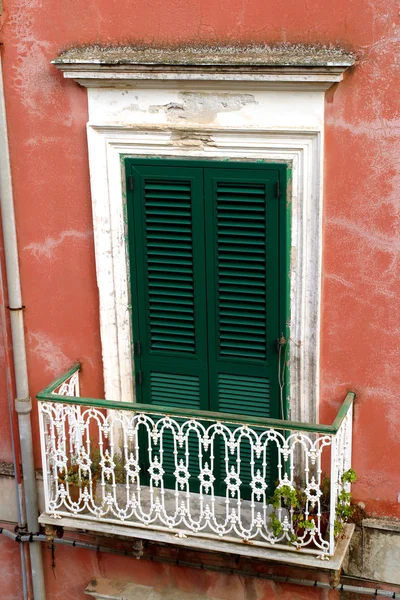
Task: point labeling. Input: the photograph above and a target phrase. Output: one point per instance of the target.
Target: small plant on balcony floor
(291, 499)
(344, 507)
(78, 478)
(294, 500)
(119, 471)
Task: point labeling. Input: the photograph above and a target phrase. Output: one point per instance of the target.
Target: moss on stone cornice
(285, 55)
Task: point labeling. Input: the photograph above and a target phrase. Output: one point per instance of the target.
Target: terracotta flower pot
(76, 491)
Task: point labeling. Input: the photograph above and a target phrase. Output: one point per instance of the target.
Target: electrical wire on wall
(282, 351)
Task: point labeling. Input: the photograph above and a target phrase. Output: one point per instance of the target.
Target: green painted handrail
(48, 395)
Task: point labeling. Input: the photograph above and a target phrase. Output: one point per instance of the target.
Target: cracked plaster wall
(361, 279)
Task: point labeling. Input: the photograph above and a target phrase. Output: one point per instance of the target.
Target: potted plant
(344, 507)
(294, 500)
(78, 478)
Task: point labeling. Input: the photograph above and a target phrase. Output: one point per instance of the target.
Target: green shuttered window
(206, 242)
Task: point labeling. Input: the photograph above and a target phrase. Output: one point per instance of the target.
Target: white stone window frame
(301, 152)
(294, 137)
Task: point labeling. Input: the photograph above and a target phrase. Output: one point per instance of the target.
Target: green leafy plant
(276, 525)
(78, 477)
(119, 471)
(294, 499)
(344, 507)
(287, 494)
(349, 476)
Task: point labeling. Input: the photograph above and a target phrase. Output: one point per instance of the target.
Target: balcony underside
(289, 556)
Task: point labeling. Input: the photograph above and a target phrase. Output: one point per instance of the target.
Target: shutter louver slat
(245, 291)
(255, 390)
(169, 235)
(180, 392)
(231, 389)
(162, 387)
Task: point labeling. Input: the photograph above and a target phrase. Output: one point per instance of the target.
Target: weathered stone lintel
(283, 65)
(283, 54)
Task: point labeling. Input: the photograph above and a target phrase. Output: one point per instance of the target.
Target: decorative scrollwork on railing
(191, 476)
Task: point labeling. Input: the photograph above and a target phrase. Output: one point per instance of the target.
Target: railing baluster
(333, 495)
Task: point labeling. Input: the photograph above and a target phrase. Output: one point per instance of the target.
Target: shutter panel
(243, 297)
(169, 271)
(204, 250)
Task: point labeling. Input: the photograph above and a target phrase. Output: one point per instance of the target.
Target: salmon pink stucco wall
(361, 279)
(164, 577)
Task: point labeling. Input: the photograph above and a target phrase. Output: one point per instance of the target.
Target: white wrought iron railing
(184, 471)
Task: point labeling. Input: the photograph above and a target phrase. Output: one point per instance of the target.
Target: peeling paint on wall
(31, 77)
(46, 248)
(46, 349)
(202, 107)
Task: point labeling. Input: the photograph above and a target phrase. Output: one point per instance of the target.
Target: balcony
(195, 478)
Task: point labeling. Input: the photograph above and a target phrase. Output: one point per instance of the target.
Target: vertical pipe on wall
(20, 511)
(23, 403)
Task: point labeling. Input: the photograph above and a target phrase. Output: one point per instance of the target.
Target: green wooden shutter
(204, 250)
(242, 241)
(169, 271)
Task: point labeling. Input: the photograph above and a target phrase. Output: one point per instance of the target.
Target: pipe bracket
(23, 406)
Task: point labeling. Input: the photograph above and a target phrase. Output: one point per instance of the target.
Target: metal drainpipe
(23, 402)
(20, 507)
